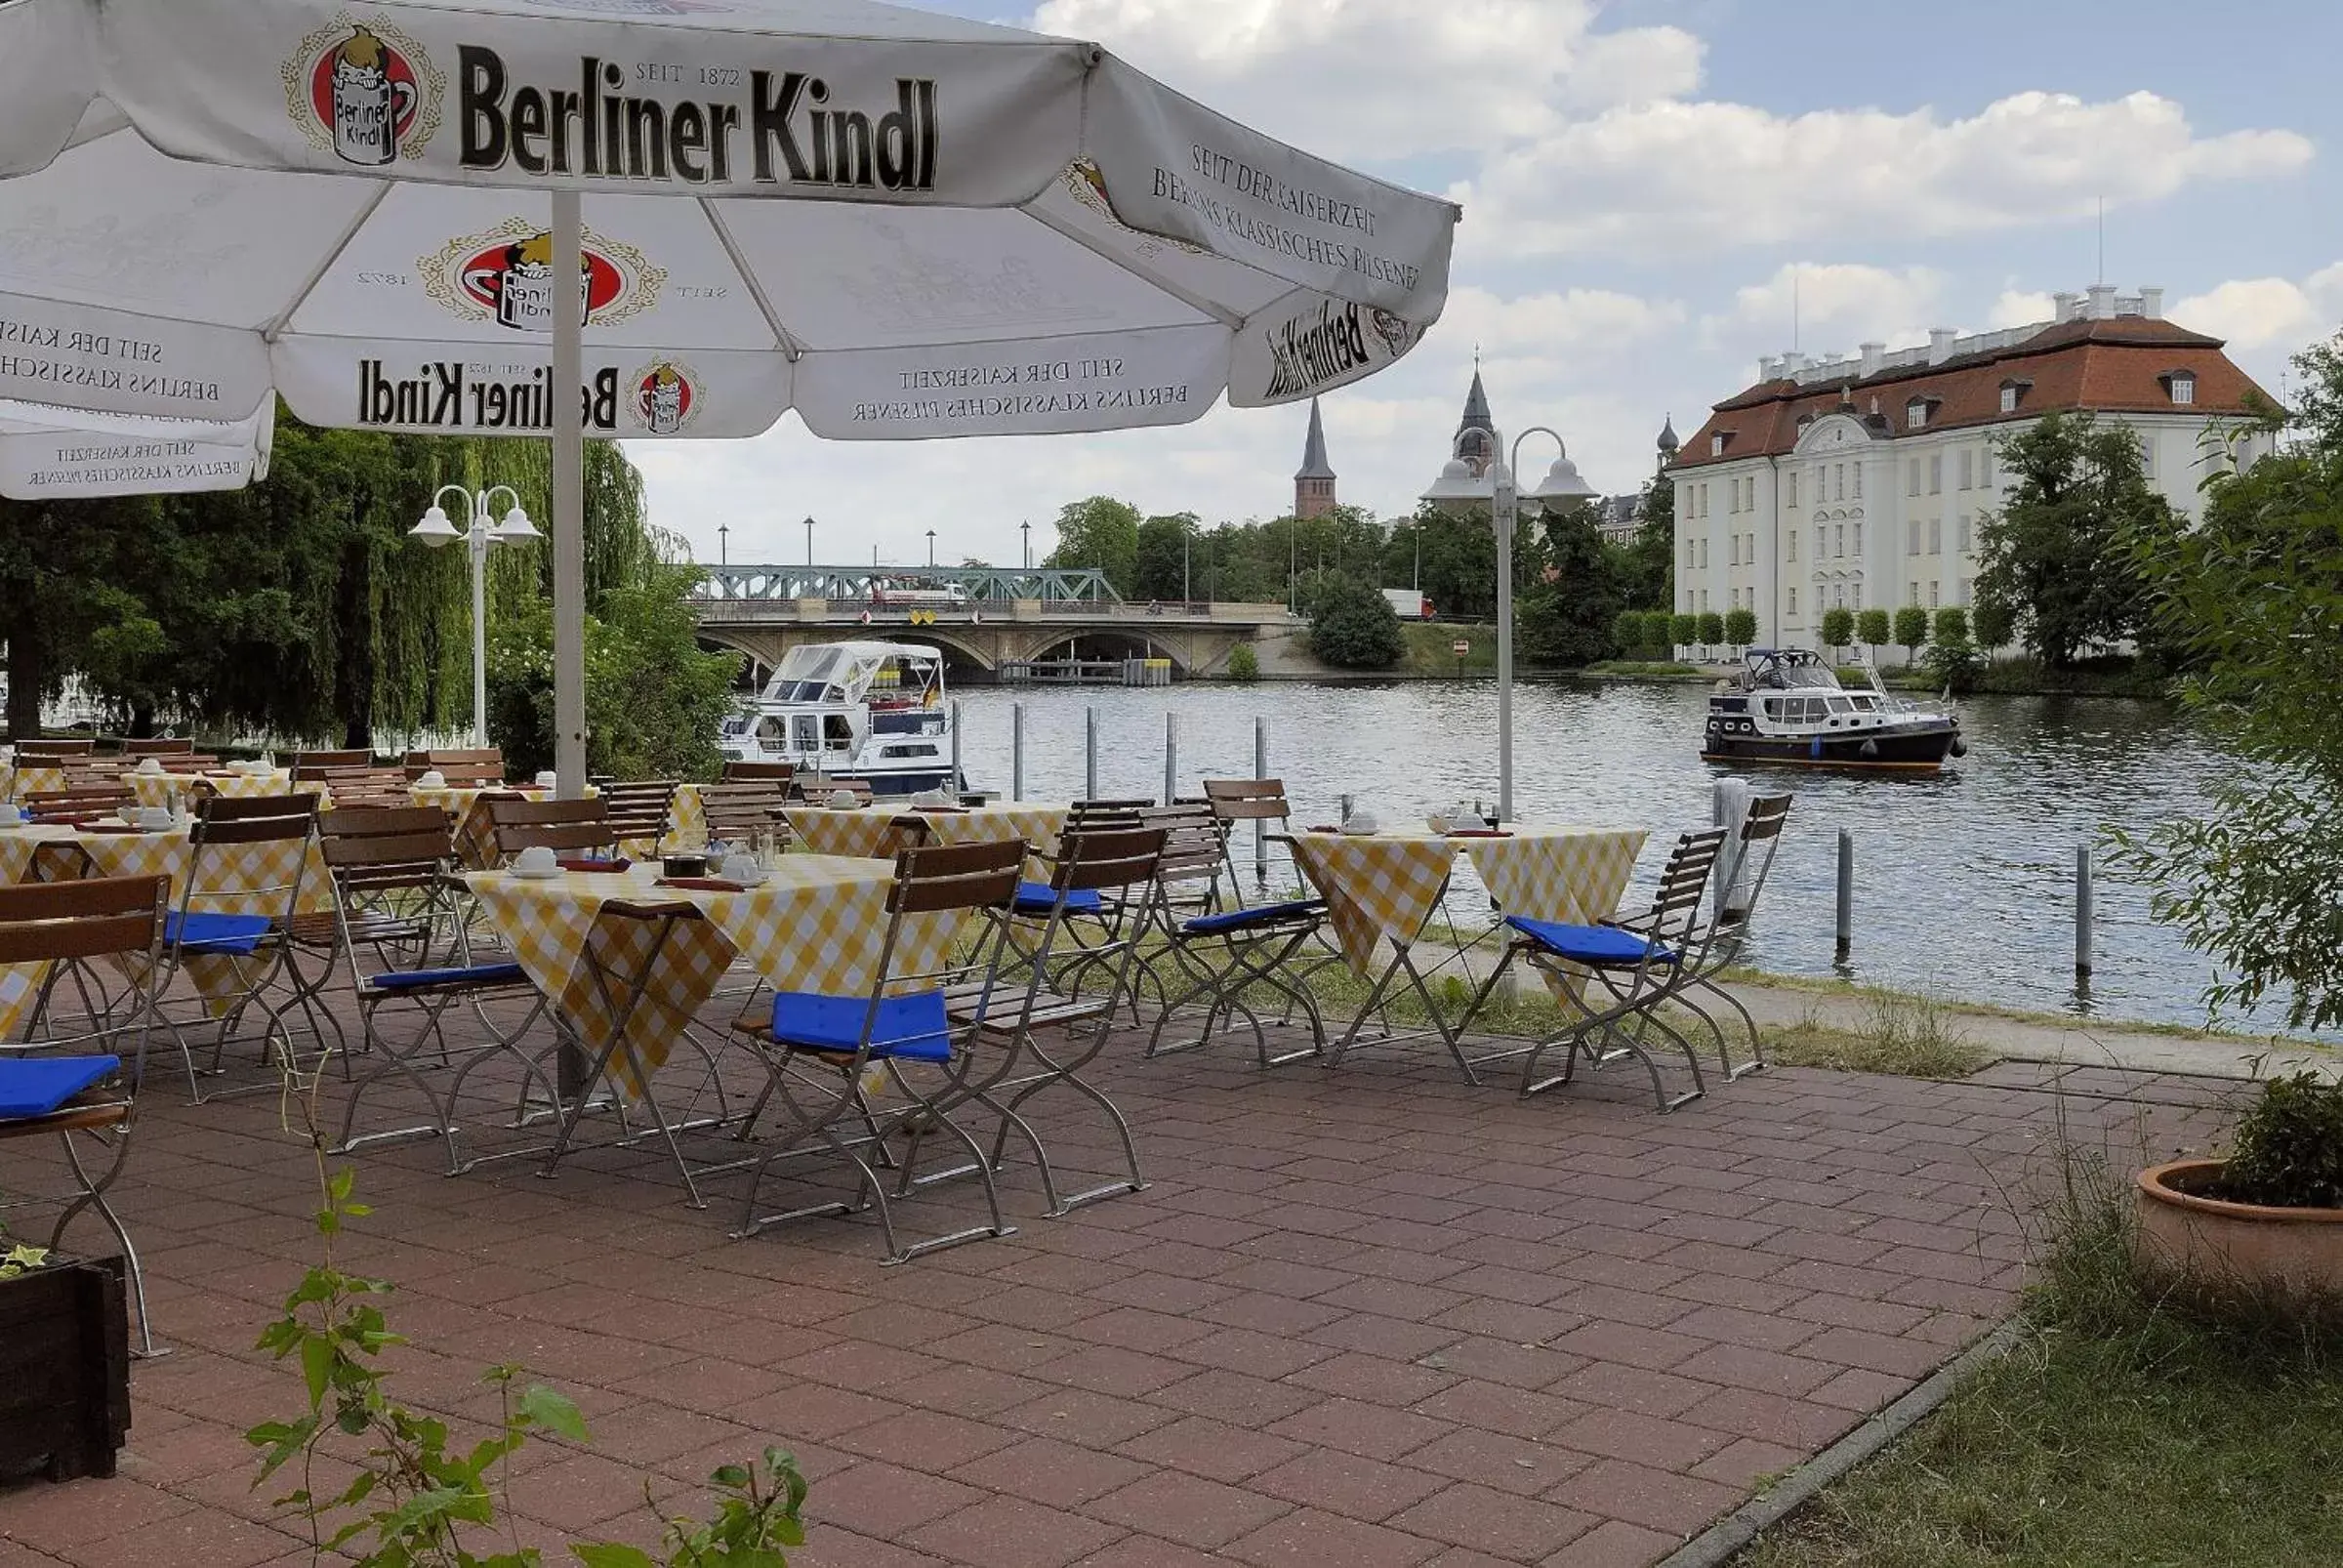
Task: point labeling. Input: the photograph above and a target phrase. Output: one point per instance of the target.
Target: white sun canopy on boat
(49, 453)
(899, 225)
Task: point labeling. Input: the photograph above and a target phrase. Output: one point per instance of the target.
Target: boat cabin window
(1866, 705)
(806, 732)
(907, 751)
(1840, 705)
(837, 736)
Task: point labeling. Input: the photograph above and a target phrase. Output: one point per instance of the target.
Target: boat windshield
(1789, 669)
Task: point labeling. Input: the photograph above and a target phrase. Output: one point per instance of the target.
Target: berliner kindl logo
(364, 91)
(506, 276)
(666, 397)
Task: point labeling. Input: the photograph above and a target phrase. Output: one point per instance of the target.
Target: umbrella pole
(569, 514)
(569, 554)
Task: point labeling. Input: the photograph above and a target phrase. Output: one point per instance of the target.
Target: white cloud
(1833, 299)
(1362, 79)
(1712, 172)
(2258, 313)
(2019, 308)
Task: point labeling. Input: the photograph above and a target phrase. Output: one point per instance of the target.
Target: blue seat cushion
(909, 1028)
(504, 973)
(1237, 920)
(1597, 946)
(36, 1085)
(213, 934)
(1038, 899)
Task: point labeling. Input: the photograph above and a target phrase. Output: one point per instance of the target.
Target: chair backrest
(34, 750)
(1760, 837)
(1193, 838)
(91, 918)
(309, 767)
(77, 801)
(753, 808)
(158, 747)
(556, 825)
(1247, 800)
(1096, 858)
(188, 762)
(1676, 901)
(760, 772)
(374, 848)
(362, 786)
(638, 809)
(957, 876)
(483, 764)
(816, 790)
(1107, 815)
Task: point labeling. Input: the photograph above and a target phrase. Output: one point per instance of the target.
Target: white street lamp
(1460, 492)
(435, 530)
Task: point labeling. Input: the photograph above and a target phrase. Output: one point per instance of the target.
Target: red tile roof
(2117, 365)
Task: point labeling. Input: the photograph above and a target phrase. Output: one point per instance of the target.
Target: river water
(1964, 883)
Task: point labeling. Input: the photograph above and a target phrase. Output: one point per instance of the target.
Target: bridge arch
(1091, 644)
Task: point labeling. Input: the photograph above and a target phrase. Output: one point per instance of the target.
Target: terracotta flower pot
(2236, 1245)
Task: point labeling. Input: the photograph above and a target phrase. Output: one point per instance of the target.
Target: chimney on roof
(2152, 304)
(1940, 345)
(1765, 367)
(1873, 355)
(1793, 363)
(2103, 302)
(2062, 306)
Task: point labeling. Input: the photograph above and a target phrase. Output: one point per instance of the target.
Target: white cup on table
(537, 860)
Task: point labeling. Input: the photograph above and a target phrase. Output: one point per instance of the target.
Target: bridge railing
(984, 584)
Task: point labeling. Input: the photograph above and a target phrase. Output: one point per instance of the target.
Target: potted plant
(65, 1363)
(2266, 1221)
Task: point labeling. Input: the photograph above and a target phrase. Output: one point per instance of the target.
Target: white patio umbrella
(47, 75)
(901, 226)
(52, 453)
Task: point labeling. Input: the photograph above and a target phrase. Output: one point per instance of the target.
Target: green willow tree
(1569, 619)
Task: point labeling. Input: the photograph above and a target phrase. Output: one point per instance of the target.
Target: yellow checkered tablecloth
(227, 875)
(860, 832)
(32, 779)
(169, 789)
(475, 836)
(688, 819)
(1387, 885)
(817, 924)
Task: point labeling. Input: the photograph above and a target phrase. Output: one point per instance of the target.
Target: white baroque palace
(1859, 482)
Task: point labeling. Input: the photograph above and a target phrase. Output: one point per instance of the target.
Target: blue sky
(1641, 179)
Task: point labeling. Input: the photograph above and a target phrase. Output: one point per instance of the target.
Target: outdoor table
(475, 834)
(1382, 889)
(861, 832)
(31, 778)
(167, 789)
(816, 924)
(132, 854)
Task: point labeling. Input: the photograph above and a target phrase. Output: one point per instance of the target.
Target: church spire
(1477, 450)
(1314, 482)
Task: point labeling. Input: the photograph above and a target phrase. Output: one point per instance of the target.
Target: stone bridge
(1008, 616)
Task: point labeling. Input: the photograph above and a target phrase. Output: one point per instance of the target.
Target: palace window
(1915, 414)
(1968, 464)
(1912, 545)
(1793, 544)
(1792, 490)
(2182, 384)
(1936, 536)
(1961, 533)
(1794, 601)
(1859, 539)
(1936, 475)
(1932, 582)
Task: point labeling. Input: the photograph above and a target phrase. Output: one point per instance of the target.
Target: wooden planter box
(64, 1370)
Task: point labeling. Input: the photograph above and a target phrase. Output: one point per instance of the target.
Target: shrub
(1911, 630)
(1683, 631)
(1873, 629)
(1713, 628)
(1353, 627)
(1958, 666)
(2288, 1150)
(1628, 630)
(1243, 663)
(1950, 625)
(1838, 627)
(1740, 628)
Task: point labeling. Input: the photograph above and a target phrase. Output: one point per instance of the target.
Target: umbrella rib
(1231, 319)
(791, 343)
(301, 295)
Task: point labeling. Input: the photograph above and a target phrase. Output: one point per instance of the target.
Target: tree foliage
(1838, 627)
(1873, 629)
(1648, 575)
(1712, 627)
(1566, 618)
(1992, 624)
(1100, 534)
(1950, 624)
(1911, 628)
(1683, 630)
(1162, 558)
(1352, 626)
(2253, 602)
(1740, 628)
(2058, 559)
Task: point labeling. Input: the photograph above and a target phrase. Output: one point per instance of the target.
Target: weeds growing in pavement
(417, 1497)
(1914, 1037)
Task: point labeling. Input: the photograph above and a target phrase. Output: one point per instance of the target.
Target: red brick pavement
(1366, 1318)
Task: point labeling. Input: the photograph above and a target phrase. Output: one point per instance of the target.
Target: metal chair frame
(1671, 933)
(1758, 838)
(819, 1091)
(222, 822)
(65, 924)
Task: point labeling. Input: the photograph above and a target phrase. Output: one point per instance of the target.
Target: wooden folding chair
(760, 774)
(45, 1092)
(309, 767)
(637, 812)
(566, 827)
(473, 767)
(750, 814)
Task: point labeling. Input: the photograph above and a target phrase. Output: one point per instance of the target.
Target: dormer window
(2181, 384)
(1915, 414)
(1717, 445)
(2013, 392)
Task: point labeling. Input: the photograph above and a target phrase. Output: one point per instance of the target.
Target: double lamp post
(1494, 492)
(437, 529)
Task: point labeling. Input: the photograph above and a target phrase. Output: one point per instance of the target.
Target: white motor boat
(869, 711)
